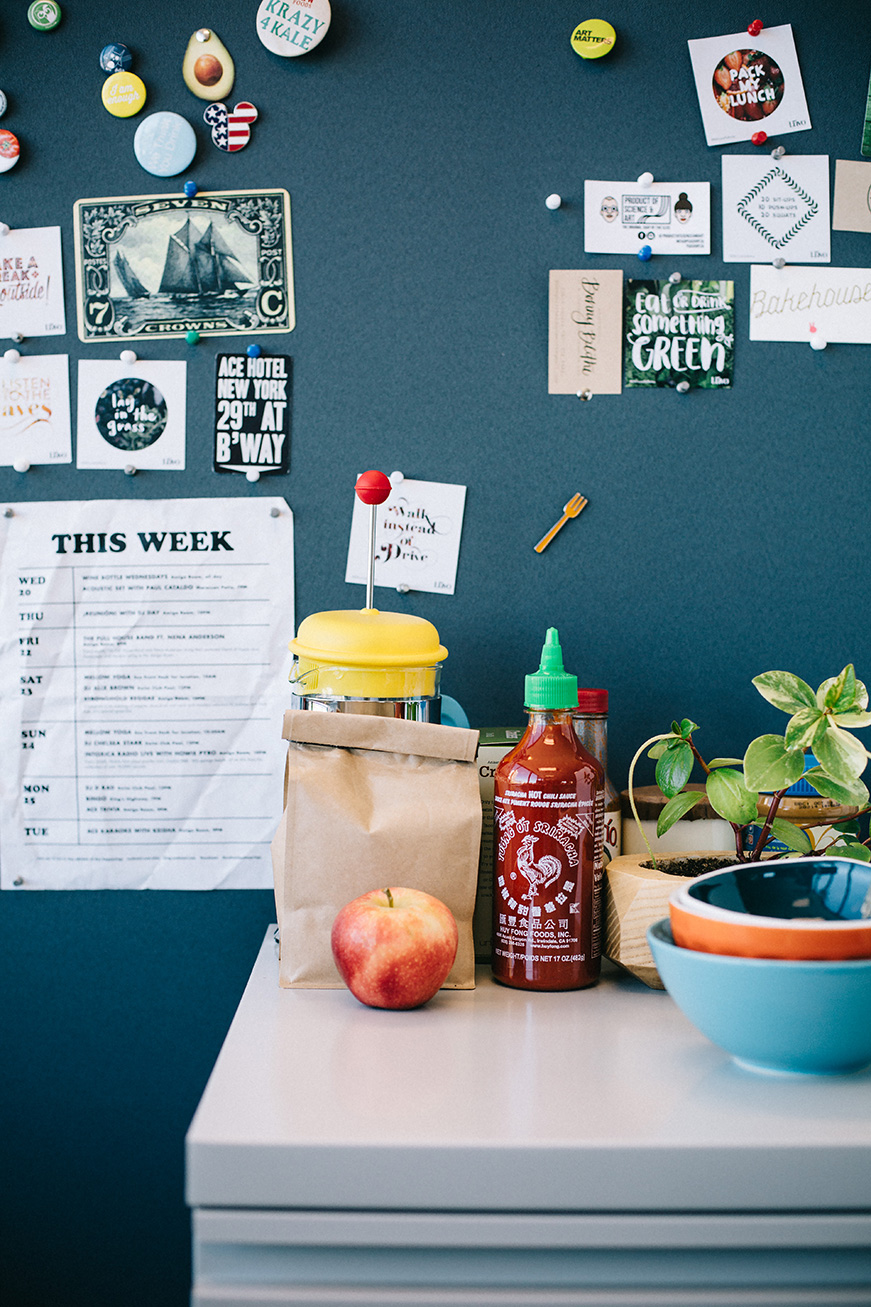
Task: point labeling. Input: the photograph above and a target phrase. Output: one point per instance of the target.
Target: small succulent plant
(821, 722)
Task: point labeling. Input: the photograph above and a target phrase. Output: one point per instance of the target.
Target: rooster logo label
(539, 872)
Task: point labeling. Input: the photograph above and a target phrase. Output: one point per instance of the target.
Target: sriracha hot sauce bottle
(549, 818)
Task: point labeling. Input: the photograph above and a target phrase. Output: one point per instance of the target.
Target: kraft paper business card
(585, 331)
(852, 210)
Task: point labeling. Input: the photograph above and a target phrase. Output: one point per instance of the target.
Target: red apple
(394, 947)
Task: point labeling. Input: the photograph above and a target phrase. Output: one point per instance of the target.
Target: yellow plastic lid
(368, 638)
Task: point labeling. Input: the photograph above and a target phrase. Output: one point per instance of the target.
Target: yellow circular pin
(123, 94)
(593, 38)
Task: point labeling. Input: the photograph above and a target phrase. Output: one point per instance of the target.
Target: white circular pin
(645, 180)
(553, 201)
(293, 27)
(21, 465)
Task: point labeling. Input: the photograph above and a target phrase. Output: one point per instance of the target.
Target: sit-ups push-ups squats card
(776, 208)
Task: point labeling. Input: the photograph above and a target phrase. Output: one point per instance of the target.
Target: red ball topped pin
(756, 27)
(372, 488)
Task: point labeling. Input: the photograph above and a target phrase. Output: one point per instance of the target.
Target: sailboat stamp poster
(155, 266)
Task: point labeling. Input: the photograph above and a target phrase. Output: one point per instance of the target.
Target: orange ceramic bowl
(797, 909)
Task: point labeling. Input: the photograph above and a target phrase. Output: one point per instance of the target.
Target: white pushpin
(17, 337)
(779, 263)
(682, 387)
(129, 470)
(585, 394)
(128, 356)
(21, 465)
(675, 278)
(778, 152)
(645, 180)
(5, 229)
(553, 201)
(817, 341)
(396, 478)
(12, 356)
(252, 474)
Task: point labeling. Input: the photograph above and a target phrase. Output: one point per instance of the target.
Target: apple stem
(389, 898)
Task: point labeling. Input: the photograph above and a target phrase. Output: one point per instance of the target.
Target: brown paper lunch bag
(371, 802)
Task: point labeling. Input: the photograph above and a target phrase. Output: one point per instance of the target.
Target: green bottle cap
(551, 686)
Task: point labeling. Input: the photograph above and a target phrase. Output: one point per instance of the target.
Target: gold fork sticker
(572, 509)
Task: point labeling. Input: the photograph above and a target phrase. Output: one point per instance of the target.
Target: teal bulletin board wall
(726, 533)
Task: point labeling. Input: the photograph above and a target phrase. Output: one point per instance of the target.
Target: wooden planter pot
(636, 896)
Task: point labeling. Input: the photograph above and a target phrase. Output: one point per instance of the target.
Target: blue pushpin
(645, 254)
(190, 189)
(253, 351)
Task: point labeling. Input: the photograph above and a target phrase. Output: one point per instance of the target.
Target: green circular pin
(44, 15)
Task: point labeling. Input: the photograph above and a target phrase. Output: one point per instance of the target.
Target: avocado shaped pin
(207, 68)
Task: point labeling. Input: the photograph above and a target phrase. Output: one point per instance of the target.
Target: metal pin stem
(370, 570)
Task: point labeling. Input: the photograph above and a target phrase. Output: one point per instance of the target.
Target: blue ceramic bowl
(806, 1017)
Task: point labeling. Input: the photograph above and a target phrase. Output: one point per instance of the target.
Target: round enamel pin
(593, 38)
(9, 150)
(164, 144)
(292, 27)
(44, 15)
(123, 94)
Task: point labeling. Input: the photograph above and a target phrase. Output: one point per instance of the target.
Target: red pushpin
(756, 27)
(372, 488)
(759, 138)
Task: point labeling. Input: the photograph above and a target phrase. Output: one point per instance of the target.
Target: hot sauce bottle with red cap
(549, 805)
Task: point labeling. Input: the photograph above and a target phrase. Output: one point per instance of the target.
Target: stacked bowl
(772, 961)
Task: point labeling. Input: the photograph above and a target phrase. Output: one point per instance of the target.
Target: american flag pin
(231, 131)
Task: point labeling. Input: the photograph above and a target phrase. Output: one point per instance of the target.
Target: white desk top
(500, 1100)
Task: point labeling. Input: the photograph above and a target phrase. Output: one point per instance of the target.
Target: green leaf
(843, 689)
(843, 693)
(770, 765)
(846, 827)
(855, 717)
(676, 808)
(675, 728)
(658, 749)
(840, 753)
(856, 851)
(801, 728)
(673, 769)
(730, 797)
(792, 836)
(725, 762)
(687, 727)
(852, 793)
(785, 691)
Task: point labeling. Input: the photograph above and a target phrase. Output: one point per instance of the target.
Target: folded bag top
(369, 802)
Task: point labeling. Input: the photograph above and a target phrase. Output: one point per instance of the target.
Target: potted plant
(748, 793)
